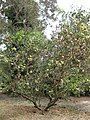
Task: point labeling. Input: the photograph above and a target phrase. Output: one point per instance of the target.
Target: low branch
(28, 98)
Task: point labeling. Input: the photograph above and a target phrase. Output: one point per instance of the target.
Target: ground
(20, 109)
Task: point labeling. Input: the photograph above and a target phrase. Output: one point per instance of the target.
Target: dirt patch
(18, 109)
(81, 104)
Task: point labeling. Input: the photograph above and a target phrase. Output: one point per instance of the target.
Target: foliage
(76, 27)
(20, 14)
(78, 85)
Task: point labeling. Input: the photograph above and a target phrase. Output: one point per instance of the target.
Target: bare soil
(20, 109)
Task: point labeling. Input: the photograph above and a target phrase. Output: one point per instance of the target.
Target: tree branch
(28, 98)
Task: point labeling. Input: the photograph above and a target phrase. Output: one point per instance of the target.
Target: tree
(39, 68)
(49, 14)
(20, 14)
(35, 68)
